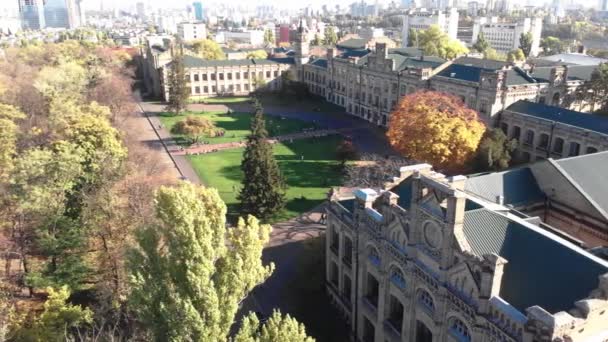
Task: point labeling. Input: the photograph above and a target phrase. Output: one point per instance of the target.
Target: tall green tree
(481, 45)
(515, 55)
(179, 91)
(277, 328)
(269, 37)
(495, 150)
(525, 43)
(435, 42)
(331, 38)
(263, 191)
(188, 272)
(208, 49)
(594, 92)
(552, 46)
(412, 38)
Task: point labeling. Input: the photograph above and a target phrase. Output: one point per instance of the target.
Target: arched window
(558, 145)
(373, 256)
(459, 330)
(529, 137)
(591, 150)
(555, 99)
(397, 277)
(425, 299)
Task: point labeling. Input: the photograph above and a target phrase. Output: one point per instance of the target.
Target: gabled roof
(542, 268)
(587, 173)
(517, 187)
(587, 121)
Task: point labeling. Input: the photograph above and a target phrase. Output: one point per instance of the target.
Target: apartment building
(192, 31)
(504, 36)
(427, 259)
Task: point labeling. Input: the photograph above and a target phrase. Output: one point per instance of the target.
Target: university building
(429, 258)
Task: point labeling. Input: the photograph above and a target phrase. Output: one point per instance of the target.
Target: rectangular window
(276, 73)
(230, 88)
(238, 87)
(372, 290)
(196, 78)
(246, 75)
(574, 149)
(229, 75)
(246, 87)
(213, 89)
(213, 76)
(346, 288)
(197, 90)
(205, 89)
(221, 76)
(204, 77)
(237, 75)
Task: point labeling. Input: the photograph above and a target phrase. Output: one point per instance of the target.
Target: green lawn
(236, 125)
(230, 99)
(313, 103)
(308, 179)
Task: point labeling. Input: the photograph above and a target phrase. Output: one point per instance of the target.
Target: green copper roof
(542, 269)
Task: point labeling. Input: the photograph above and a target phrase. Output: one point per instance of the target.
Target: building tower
(32, 14)
(301, 47)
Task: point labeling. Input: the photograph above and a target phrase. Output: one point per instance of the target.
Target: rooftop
(195, 62)
(516, 187)
(575, 58)
(353, 43)
(542, 268)
(587, 121)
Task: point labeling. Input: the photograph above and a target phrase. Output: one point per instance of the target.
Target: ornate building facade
(426, 260)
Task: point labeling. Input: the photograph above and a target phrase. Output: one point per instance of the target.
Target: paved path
(236, 144)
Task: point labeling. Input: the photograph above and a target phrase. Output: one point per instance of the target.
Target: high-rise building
(192, 31)
(504, 36)
(140, 8)
(62, 13)
(32, 14)
(198, 10)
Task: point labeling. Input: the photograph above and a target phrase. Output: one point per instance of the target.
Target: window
(221, 76)
(348, 251)
(529, 137)
(426, 301)
(246, 75)
(574, 149)
(544, 141)
(261, 75)
(369, 332)
(246, 87)
(395, 317)
(238, 87)
(204, 77)
(197, 90)
(196, 78)
(237, 75)
(213, 77)
(591, 150)
(276, 73)
(372, 288)
(230, 88)
(333, 274)
(516, 133)
(558, 145)
(397, 277)
(205, 89)
(423, 333)
(346, 288)
(334, 242)
(505, 128)
(373, 256)
(213, 89)
(459, 330)
(229, 74)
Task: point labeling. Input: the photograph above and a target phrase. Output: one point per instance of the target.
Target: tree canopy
(481, 45)
(330, 36)
(179, 90)
(435, 128)
(525, 43)
(494, 151)
(552, 46)
(194, 128)
(269, 37)
(276, 328)
(435, 42)
(257, 54)
(516, 56)
(208, 49)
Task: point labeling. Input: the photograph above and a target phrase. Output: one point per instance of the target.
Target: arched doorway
(423, 333)
(555, 99)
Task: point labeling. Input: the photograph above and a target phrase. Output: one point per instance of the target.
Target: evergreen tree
(525, 43)
(269, 37)
(178, 87)
(412, 38)
(481, 45)
(263, 192)
(331, 38)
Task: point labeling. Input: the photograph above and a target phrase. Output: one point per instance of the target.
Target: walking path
(207, 148)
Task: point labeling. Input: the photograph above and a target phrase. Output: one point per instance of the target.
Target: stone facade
(412, 270)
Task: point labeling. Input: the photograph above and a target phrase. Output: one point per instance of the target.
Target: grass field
(308, 179)
(236, 125)
(229, 99)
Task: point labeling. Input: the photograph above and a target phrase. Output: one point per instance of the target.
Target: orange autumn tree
(435, 128)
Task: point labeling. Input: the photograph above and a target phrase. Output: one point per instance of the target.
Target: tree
(552, 46)
(595, 91)
(208, 49)
(194, 128)
(58, 320)
(188, 272)
(67, 80)
(434, 42)
(525, 43)
(179, 91)
(276, 328)
(257, 54)
(316, 40)
(373, 170)
(494, 151)
(346, 151)
(412, 38)
(516, 55)
(8, 138)
(263, 191)
(269, 37)
(435, 128)
(481, 45)
(331, 38)
(494, 55)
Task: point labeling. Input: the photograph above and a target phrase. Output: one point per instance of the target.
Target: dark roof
(349, 204)
(575, 73)
(516, 76)
(406, 51)
(590, 122)
(588, 172)
(517, 186)
(353, 43)
(320, 62)
(354, 53)
(404, 190)
(463, 72)
(542, 269)
(402, 62)
(195, 62)
(489, 64)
